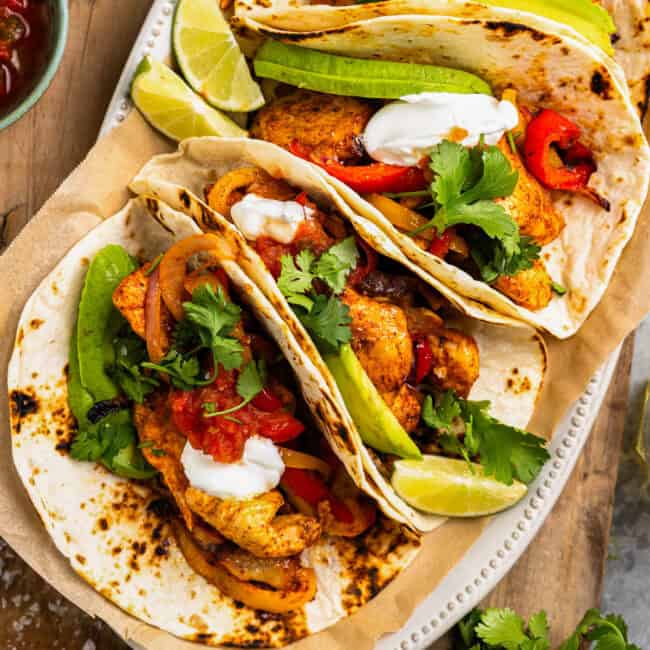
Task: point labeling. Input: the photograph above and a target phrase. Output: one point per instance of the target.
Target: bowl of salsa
(32, 40)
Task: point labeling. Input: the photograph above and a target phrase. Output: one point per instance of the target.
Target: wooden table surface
(561, 572)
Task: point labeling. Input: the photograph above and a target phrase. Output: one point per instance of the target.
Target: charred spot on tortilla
(103, 524)
(35, 323)
(64, 447)
(22, 405)
(184, 198)
(600, 85)
(163, 508)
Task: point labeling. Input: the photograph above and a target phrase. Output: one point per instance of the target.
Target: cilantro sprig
(208, 324)
(503, 629)
(326, 318)
(466, 183)
(505, 452)
(250, 384)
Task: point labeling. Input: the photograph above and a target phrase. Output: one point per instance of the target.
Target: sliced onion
(279, 573)
(153, 327)
(173, 269)
(300, 460)
(301, 590)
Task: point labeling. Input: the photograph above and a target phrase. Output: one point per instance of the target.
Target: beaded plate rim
(509, 534)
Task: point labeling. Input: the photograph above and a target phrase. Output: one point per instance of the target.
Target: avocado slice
(585, 16)
(347, 76)
(377, 425)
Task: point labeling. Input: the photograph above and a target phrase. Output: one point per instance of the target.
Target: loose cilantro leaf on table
(506, 452)
(503, 629)
(325, 317)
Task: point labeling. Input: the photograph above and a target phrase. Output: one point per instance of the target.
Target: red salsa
(25, 42)
(224, 437)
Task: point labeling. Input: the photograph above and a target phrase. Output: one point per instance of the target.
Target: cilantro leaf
(498, 180)
(465, 185)
(506, 452)
(494, 261)
(609, 633)
(112, 443)
(328, 322)
(215, 318)
(334, 266)
(502, 628)
(538, 625)
(465, 631)
(295, 281)
(442, 416)
(183, 372)
(250, 383)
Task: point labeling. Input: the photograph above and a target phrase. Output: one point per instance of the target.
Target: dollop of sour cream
(256, 216)
(405, 131)
(259, 470)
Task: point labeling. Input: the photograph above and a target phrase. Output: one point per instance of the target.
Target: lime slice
(451, 488)
(170, 106)
(342, 75)
(210, 58)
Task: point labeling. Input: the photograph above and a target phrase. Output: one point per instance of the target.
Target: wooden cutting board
(563, 569)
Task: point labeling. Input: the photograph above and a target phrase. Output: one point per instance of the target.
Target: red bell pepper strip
(440, 245)
(549, 128)
(363, 268)
(311, 488)
(280, 426)
(423, 359)
(375, 177)
(267, 401)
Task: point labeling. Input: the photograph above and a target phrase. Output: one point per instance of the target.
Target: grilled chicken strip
(530, 204)
(328, 124)
(253, 524)
(455, 360)
(530, 289)
(153, 426)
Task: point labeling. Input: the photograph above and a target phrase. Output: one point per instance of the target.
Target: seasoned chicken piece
(530, 204)
(253, 524)
(328, 124)
(456, 360)
(530, 289)
(405, 406)
(153, 426)
(129, 299)
(381, 340)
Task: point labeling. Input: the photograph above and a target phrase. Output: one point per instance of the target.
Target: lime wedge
(342, 75)
(450, 488)
(170, 106)
(210, 58)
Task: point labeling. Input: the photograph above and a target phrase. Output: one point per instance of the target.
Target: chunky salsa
(25, 39)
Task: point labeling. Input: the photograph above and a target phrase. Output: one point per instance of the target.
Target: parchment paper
(97, 189)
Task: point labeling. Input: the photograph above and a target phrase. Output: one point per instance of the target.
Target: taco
(610, 28)
(391, 348)
(212, 507)
(515, 177)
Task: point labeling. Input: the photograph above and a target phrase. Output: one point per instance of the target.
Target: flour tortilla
(631, 41)
(547, 71)
(513, 357)
(102, 523)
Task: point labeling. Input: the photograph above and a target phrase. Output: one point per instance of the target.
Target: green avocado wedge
(377, 425)
(585, 16)
(341, 75)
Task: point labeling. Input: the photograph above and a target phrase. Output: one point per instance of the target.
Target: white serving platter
(506, 538)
